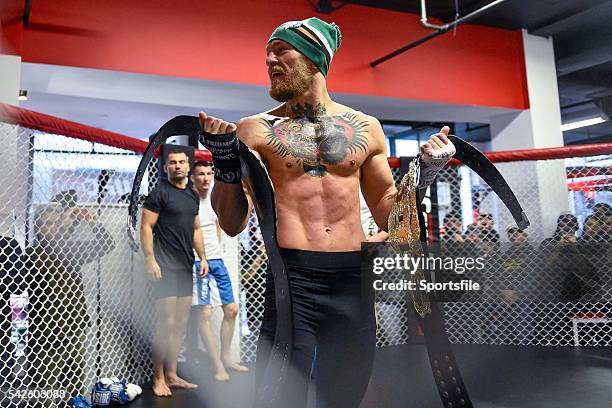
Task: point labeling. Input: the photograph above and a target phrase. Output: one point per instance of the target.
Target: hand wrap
(432, 162)
(224, 149)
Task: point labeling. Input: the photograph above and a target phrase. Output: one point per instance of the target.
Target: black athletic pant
(332, 312)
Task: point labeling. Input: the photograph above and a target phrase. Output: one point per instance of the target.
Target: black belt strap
(447, 376)
(269, 393)
(446, 373)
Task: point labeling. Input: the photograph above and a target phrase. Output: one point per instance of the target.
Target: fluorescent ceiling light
(582, 123)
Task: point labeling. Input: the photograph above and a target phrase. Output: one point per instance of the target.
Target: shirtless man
(318, 153)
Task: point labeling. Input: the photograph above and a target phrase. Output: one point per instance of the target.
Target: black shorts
(174, 283)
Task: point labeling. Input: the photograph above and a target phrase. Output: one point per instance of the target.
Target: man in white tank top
(215, 289)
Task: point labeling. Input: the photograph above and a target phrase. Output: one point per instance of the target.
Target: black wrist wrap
(224, 149)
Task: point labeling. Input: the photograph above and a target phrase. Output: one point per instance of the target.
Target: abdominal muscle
(319, 214)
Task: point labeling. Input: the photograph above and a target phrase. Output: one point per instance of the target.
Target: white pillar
(13, 156)
(540, 186)
(10, 73)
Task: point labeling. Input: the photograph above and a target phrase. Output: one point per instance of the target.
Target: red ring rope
(51, 124)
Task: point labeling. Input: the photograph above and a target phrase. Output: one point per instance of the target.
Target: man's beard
(176, 178)
(292, 85)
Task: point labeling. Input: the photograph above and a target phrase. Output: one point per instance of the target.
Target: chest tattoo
(317, 142)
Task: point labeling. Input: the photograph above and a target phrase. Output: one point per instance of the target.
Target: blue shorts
(217, 281)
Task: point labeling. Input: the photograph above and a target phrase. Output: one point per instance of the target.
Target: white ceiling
(138, 104)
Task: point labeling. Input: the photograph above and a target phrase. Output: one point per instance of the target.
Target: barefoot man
(216, 288)
(169, 233)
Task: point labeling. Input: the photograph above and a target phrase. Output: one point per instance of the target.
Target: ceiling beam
(595, 54)
(572, 20)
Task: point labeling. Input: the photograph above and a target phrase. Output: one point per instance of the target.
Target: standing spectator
(169, 233)
(220, 294)
(58, 307)
(597, 227)
(512, 316)
(567, 269)
(489, 236)
(595, 245)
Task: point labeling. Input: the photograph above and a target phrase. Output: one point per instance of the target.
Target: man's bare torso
(314, 165)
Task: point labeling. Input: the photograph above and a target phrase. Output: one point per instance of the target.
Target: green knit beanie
(314, 38)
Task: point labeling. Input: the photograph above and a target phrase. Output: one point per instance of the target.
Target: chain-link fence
(76, 304)
(549, 285)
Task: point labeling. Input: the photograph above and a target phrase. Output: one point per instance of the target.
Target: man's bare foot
(175, 381)
(160, 388)
(235, 366)
(222, 375)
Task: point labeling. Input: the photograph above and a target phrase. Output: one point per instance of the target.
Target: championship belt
(407, 234)
(254, 173)
(405, 231)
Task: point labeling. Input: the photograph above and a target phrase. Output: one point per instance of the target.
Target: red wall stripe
(225, 41)
(11, 17)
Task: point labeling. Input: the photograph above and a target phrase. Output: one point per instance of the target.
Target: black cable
(26, 13)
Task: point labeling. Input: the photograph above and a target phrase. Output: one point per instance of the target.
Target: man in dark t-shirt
(169, 233)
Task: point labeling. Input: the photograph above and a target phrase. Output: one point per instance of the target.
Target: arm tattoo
(317, 142)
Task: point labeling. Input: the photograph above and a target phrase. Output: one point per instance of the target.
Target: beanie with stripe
(314, 38)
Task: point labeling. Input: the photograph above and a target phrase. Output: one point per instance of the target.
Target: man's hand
(435, 153)
(203, 269)
(438, 146)
(214, 125)
(219, 137)
(153, 270)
